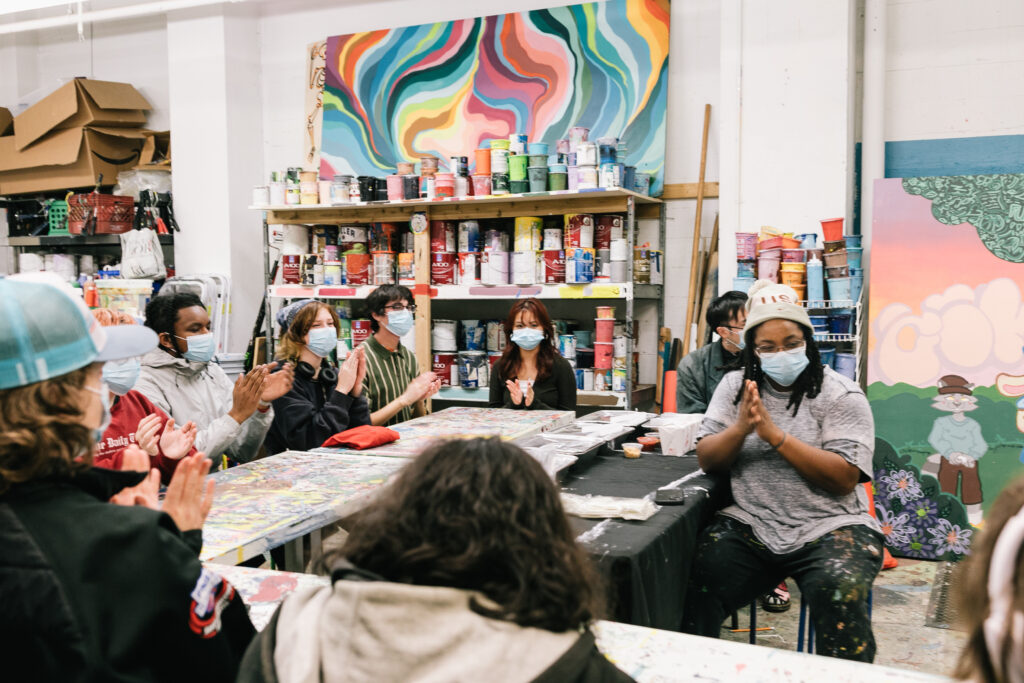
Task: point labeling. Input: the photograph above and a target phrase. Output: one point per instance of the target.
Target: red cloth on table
(363, 437)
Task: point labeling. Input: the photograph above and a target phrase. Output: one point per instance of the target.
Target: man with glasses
(700, 371)
(393, 385)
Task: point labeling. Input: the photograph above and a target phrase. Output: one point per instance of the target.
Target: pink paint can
(603, 355)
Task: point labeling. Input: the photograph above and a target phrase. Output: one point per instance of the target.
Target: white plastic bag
(142, 255)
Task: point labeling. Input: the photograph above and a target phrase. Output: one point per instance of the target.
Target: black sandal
(776, 600)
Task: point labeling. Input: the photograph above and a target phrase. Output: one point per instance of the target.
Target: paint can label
(442, 268)
(579, 230)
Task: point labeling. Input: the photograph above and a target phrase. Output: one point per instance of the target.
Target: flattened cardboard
(6, 122)
(69, 159)
(156, 152)
(81, 102)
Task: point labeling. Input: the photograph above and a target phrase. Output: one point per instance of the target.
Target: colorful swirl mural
(444, 88)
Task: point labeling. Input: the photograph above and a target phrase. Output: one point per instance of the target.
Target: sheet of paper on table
(607, 507)
(627, 418)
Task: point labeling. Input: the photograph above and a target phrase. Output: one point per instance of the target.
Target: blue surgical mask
(104, 393)
(200, 347)
(527, 338)
(400, 322)
(121, 375)
(322, 340)
(784, 366)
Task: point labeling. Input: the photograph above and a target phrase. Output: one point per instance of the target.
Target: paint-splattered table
(270, 502)
(465, 423)
(646, 654)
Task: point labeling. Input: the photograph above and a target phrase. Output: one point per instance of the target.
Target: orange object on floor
(888, 561)
(668, 392)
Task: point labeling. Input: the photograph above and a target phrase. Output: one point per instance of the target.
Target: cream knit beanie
(769, 300)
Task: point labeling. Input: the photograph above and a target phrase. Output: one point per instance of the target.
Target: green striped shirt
(388, 374)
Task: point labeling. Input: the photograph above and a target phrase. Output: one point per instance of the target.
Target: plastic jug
(815, 281)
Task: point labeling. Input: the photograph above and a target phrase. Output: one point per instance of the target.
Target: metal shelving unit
(631, 204)
(855, 338)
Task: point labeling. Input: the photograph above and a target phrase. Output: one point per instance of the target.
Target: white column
(787, 120)
(19, 72)
(217, 150)
(873, 121)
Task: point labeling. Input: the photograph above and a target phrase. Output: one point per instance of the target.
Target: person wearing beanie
(796, 441)
(323, 400)
(702, 369)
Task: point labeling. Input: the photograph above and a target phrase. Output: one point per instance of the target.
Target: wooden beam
(689, 191)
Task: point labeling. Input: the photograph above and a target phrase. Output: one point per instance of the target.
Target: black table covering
(647, 564)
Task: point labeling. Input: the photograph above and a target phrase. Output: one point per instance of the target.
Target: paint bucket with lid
(361, 331)
(604, 330)
(619, 249)
(558, 177)
(445, 366)
(442, 268)
(846, 365)
(610, 176)
(396, 191)
(517, 167)
(746, 245)
(444, 185)
(853, 256)
(742, 284)
(351, 236)
(618, 379)
(473, 369)
(495, 335)
(768, 268)
(607, 228)
(517, 143)
(827, 354)
(492, 358)
(495, 240)
(839, 323)
(587, 177)
(619, 346)
(494, 267)
(832, 228)
(500, 183)
(333, 273)
(603, 355)
(839, 289)
(469, 268)
(499, 160)
(442, 336)
(483, 162)
(291, 265)
(554, 266)
(473, 335)
(586, 154)
(606, 150)
(602, 379)
(579, 231)
(553, 239)
(442, 236)
(527, 233)
(410, 187)
(383, 267)
(406, 269)
(469, 236)
(641, 266)
(357, 268)
(579, 265)
(524, 267)
(481, 185)
(567, 346)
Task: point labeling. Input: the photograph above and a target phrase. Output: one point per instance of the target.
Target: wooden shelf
(74, 240)
(595, 290)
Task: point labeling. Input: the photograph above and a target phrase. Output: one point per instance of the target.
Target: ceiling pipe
(114, 14)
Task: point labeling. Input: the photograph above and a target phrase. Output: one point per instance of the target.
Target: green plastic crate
(58, 217)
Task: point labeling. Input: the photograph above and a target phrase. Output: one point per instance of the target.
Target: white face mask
(104, 393)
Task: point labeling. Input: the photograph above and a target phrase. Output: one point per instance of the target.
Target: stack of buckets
(609, 372)
(842, 257)
(779, 259)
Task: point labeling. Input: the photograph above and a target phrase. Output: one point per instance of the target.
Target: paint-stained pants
(835, 572)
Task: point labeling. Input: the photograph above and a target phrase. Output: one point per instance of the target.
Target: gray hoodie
(202, 392)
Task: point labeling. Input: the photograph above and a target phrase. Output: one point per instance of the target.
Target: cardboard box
(81, 102)
(156, 152)
(68, 159)
(6, 122)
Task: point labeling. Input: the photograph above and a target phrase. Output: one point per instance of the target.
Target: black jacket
(92, 591)
(311, 413)
(557, 391)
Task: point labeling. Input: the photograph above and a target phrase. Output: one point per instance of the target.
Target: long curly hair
(508, 364)
(482, 515)
(807, 384)
(972, 596)
(41, 434)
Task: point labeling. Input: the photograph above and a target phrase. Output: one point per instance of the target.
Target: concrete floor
(900, 603)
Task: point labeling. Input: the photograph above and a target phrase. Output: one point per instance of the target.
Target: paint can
(261, 195)
(553, 239)
(320, 238)
(383, 267)
(558, 178)
(292, 196)
(579, 231)
(444, 185)
(517, 167)
(586, 177)
(428, 185)
(524, 267)
(641, 266)
(331, 252)
(500, 183)
(495, 240)
(577, 134)
(604, 313)
(657, 257)
(442, 268)
(517, 143)
(499, 161)
(606, 150)
(442, 336)
(351, 235)
(482, 184)
(586, 154)
(846, 365)
(469, 268)
(610, 176)
(483, 161)
(619, 249)
(492, 358)
(473, 335)
(309, 192)
(445, 366)
(618, 379)
(587, 383)
(332, 272)
(554, 266)
(309, 269)
(579, 265)
(462, 186)
(602, 379)
(607, 228)
(410, 187)
(396, 192)
(603, 264)
(602, 355)
(617, 271)
(572, 178)
(442, 236)
(291, 265)
(357, 269)
(473, 369)
(567, 346)
(361, 331)
(527, 233)
(494, 268)
(469, 236)
(619, 346)
(275, 193)
(604, 330)
(495, 335)
(406, 268)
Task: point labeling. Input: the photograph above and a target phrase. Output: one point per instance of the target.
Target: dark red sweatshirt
(125, 414)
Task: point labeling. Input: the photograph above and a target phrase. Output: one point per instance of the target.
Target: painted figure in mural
(958, 444)
(1013, 387)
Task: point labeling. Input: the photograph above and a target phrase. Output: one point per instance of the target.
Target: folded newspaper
(599, 507)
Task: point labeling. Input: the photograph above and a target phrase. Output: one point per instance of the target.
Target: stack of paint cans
(428, 177)
(611, 171)
(459, 167)
(609, 228)
(353, 245)
(527, 240)
(473, 366)
(444, 343)
(553, 254)
(500, 167)
(604, 333)
(468, 243)
(495, 336)
(481, 178)
(578, 240)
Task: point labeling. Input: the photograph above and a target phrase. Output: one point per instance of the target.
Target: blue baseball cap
(47, 331)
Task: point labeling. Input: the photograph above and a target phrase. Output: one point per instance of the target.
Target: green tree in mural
(992, 204)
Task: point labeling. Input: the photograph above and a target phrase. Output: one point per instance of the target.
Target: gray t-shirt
(784, 509)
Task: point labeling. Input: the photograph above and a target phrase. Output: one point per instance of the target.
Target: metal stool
(806, 621)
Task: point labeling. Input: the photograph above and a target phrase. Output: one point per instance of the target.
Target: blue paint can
(473, 369)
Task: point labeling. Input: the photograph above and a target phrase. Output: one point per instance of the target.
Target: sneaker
(776, 600)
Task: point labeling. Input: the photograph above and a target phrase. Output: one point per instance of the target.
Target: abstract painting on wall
(443, 89)
(946, 355)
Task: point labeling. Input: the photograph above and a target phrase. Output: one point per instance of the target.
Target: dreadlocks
(807, 384)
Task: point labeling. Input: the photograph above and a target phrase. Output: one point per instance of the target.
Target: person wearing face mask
(133, 419)
(531, 374)
(232, 418)
(323, 400)
(95, 591)
(796, 441)
(394, 385)
(701, 370)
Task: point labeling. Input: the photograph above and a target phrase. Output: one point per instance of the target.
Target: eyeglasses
(735, 329)
(400, 307)
(788, 347)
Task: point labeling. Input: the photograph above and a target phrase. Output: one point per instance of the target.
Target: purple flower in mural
(896, 527)
(948, 537)
(901, 485)
(923, 512)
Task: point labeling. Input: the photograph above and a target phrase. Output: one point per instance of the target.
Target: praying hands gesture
(753, 417)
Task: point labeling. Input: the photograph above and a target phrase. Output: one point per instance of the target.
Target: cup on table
(632, 450)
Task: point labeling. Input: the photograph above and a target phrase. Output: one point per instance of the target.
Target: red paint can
(361, 331)
(291, 269)
(442, 268)
(602, 355)
(608, 228)
(446, 367)
(442, 236)
(357, 269)
(579, 231)
(554, 266)
(492, 358)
